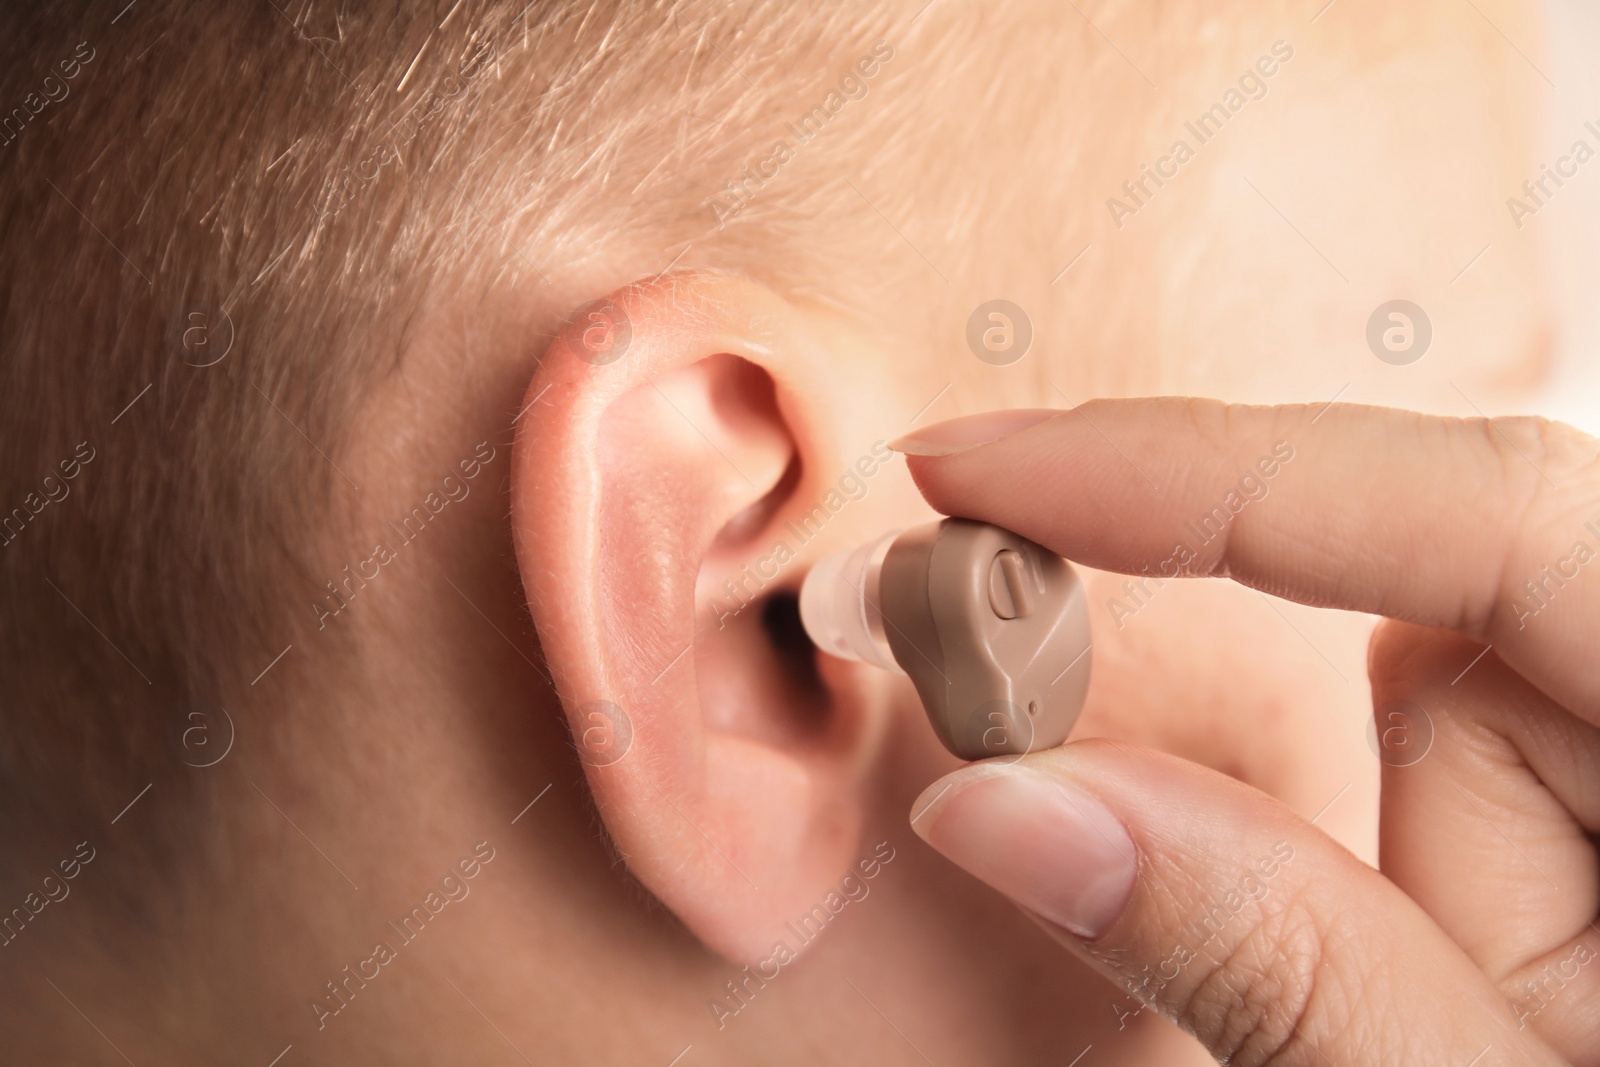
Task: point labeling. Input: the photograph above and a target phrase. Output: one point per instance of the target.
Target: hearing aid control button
(1009, 596)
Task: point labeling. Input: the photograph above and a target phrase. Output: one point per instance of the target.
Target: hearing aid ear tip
(839, 607)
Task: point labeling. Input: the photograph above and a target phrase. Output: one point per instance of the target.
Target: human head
(400, 215)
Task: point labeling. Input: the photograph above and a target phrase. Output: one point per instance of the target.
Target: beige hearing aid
(992, 629)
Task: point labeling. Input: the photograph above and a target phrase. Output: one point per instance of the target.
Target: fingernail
(1052, 848)
(958, 435)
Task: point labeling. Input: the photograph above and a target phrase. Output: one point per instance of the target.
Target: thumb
(1223, 910)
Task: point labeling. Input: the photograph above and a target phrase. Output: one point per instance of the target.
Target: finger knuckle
(1262, 1001)
(1551, 485)
(1561, 448)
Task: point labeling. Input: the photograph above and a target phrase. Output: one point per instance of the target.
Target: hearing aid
(991, 628)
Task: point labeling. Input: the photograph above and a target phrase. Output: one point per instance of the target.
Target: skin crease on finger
(1203, 291)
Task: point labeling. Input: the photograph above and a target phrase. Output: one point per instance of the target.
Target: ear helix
(992, 629)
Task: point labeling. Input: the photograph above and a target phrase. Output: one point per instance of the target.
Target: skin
(1478, 932)
(429, 713)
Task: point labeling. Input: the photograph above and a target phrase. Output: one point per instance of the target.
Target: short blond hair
(299, 183)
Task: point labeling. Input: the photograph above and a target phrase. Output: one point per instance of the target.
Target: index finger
(1490, 527)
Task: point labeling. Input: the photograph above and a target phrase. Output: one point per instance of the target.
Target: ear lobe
(650, 491)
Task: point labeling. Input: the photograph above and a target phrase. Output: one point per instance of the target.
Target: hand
(1212, 902)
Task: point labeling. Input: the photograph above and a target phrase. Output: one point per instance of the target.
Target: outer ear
(669, 476)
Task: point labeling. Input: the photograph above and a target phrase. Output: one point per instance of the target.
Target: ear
(672, 480)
